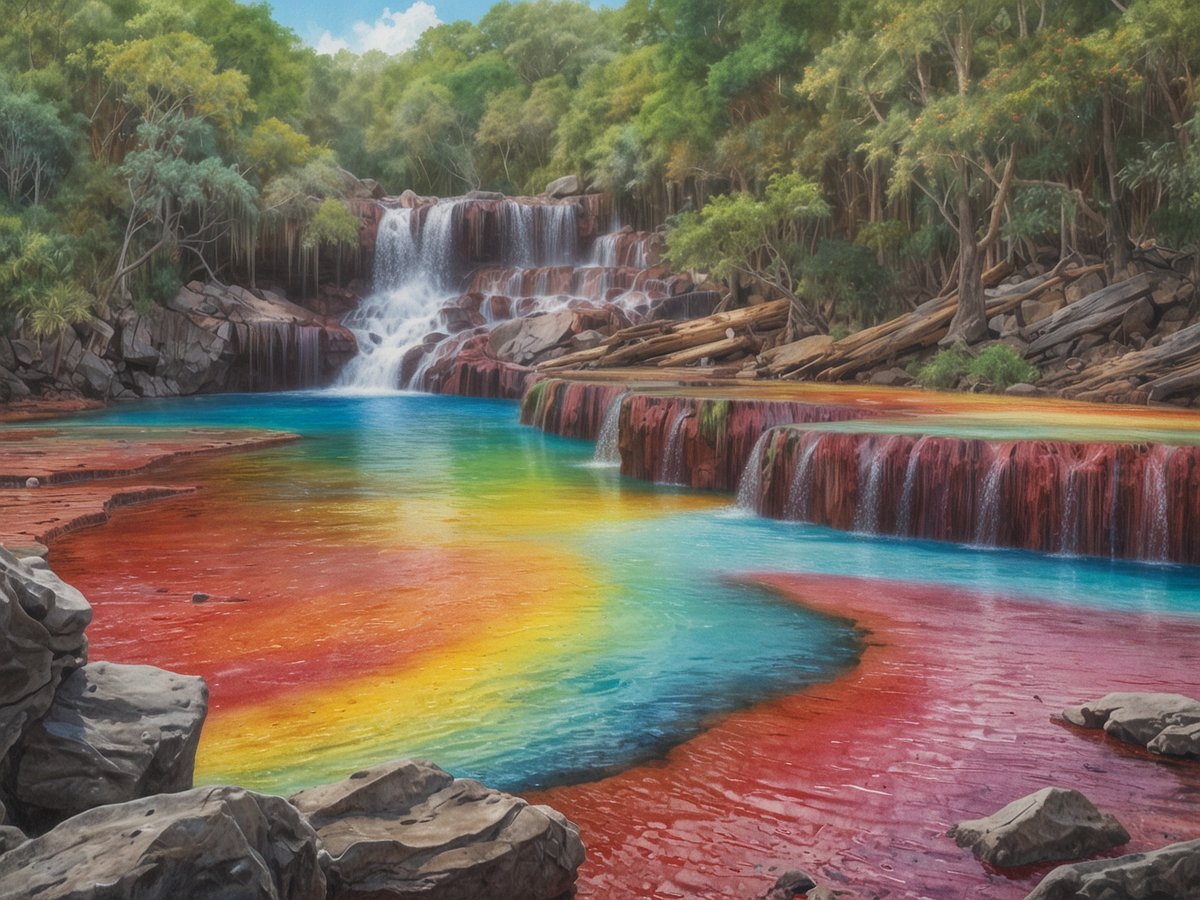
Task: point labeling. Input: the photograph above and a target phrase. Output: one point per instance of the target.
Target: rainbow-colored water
(421, 576)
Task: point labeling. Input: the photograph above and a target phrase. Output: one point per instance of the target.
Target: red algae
(951, 713)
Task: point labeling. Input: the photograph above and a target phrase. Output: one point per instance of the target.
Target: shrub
(1001, 366)
(945, 369)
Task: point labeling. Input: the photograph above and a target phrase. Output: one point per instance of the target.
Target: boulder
(1035, 310)
(1050, 824)
(113, 733)
(409, 829)
(12, 387)
(791, 884)
(525, 340)
(41, 636)
(210, 842)
(567, 186)
(1170, 872)
(97, 374)
(135, 345)
(1141, 718)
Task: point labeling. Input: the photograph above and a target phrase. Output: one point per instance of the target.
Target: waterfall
(867, 513)
(987, 519)
(608, 446)
(1068, 528)
(750, 484)
(429, 258)
(799, 501)
(673, 452)
(1156, 501)
(904, 521)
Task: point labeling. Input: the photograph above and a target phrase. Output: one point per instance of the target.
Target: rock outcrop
(42, 621)
(1164, 723)
(1050, 824)
(113, 733)
(409, 829)
(208, 337)
(205, 843)
(1169, 872)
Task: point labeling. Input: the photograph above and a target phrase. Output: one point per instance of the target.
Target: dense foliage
(856, 153)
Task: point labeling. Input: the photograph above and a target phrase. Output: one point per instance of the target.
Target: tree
(34, 146)
(738, 235)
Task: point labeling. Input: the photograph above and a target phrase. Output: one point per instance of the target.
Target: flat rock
(113, 733)
(215, 842)
(524, 340)
(409, 829)
(567, 186)
(1169, 873)
(1050, 824)
(1140, 718)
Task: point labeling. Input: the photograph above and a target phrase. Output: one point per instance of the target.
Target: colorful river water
(421, 576)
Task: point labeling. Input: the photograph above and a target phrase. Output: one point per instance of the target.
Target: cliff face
(209, 337)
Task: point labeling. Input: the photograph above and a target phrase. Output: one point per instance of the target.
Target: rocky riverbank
(96, 758)
(208, 337)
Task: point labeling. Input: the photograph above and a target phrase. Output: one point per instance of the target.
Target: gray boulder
(1050, 824)
(409, 829)
(524, 340)
(96, 373)
(1169, 873)
(567, 186)
(215, 842)
(113, 733)
(41, 636)
(1141, 718)
(136, 348)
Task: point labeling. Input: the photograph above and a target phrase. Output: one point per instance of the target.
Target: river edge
(839, 709)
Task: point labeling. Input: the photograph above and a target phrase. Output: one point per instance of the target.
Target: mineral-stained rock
(96, 373)
(1169, 873)
(113, 733)
(1050, 824)
(409, 829)
(41, 635)
(210, 842)
(1140, 718)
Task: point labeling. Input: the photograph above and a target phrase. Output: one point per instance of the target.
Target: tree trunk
(1116, 234)
(970, 319)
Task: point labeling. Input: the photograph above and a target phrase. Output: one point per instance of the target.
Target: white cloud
(392, 32)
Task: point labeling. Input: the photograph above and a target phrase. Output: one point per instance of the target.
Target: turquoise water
(615, 628)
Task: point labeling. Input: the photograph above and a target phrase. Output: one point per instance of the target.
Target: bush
(1001, 366)
(945, 369)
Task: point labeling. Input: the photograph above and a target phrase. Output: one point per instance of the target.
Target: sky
(360, 25)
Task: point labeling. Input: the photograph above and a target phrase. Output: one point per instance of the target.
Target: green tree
(35, 146)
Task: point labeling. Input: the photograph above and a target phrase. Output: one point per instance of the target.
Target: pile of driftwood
(736, 333)
(883, 345)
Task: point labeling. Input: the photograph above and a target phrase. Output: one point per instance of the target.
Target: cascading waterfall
(904, 519)
(750, 484)
(673, 453)
(608, 448)
(1156, 498)
(987, 520)
(868, 514)
(799, 500)
(522, 256)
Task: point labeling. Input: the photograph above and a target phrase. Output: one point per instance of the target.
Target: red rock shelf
(947, 717)
(85, 474)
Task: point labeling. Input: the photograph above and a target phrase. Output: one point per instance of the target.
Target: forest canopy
(145, 142)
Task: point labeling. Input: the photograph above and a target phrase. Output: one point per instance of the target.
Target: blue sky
(363, 25)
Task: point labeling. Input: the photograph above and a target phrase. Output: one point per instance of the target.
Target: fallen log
(1099, 311)
(713, 350)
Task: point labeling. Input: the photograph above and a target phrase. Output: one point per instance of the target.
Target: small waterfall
(750, 484)
(559, 230)
(1068, 527)
(608, 443)
(867, 513)
(1157, 501)
(673, 453)
(987, 519)
(517, 234)
(799, 501)
(604, 250)
(904, 520)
